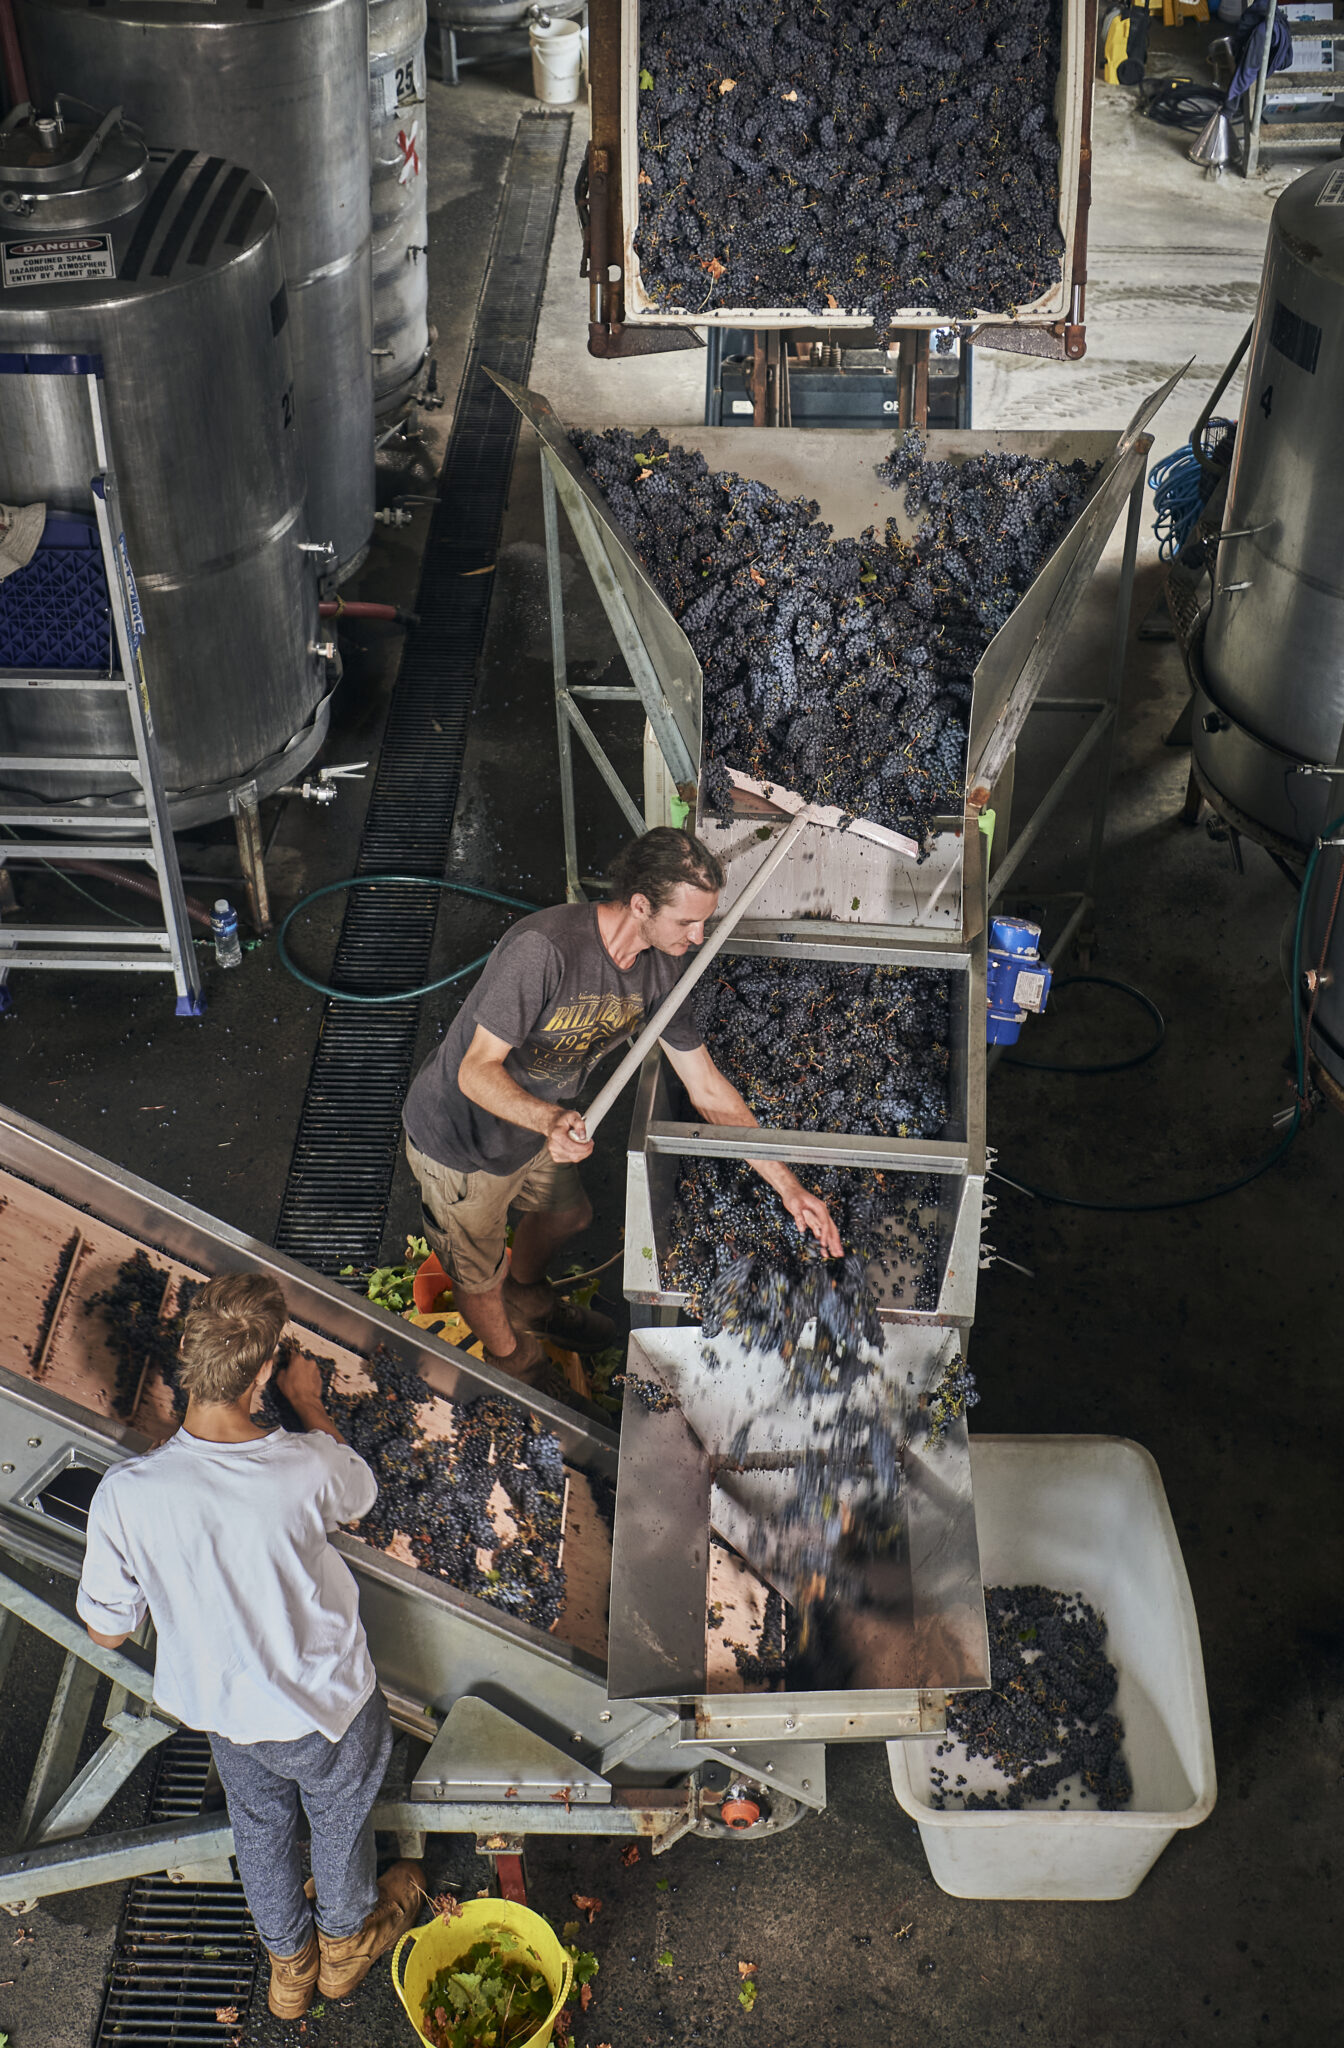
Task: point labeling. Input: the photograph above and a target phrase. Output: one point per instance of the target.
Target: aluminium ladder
(165, 949)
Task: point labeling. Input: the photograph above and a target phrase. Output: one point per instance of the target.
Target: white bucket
(557, 58)
(1085, 1514)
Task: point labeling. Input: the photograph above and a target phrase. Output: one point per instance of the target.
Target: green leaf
(571, 1931)
(318, 2011)
(855, 904)
(646, 81)
(664, 1961)
(746, 1997)
(585, 1963)
(663, 1884)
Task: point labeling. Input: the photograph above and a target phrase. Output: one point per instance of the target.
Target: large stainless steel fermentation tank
(631, 1717)
(281, 87)
(1268, 660)
(1269, 665)
(172, 276)
(399, 138)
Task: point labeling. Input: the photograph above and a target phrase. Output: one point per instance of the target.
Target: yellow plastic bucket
(515, 1930)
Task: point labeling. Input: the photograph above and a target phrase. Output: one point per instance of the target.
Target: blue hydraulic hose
(1181, 487)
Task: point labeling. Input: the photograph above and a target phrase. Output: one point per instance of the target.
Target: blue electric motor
(1017, 979)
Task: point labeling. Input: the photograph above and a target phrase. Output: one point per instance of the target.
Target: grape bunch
(839, 668)
(1046, 1717)
(812, 1046)
(141, 1337)
(855, 157)
(724, 1213)
(436, 1493)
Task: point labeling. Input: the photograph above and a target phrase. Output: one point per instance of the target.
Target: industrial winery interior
(671, 1023)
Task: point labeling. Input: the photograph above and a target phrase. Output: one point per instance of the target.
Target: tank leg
(1194, 801)
(252, 854)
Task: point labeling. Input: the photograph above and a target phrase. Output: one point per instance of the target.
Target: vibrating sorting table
(631, 1717)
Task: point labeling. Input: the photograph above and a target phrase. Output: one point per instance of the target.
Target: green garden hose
(406, 995)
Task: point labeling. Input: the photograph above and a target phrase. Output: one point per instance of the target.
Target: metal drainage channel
(340, 1175)
(186, 1953)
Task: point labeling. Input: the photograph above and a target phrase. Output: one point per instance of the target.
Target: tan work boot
(347, 1962)
(292, 1981)
(528, 1355)
(543, 1312)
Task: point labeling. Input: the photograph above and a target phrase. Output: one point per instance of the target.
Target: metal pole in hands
(673, 1001)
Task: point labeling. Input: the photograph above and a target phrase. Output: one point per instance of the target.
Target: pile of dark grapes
(725, 1213)
(142, 1338)
(435, 1494)
(839, 668)
(813, 1047)
(857, 156)
(1045, 1719)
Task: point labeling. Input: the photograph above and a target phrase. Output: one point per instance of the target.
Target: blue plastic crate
(54, 613)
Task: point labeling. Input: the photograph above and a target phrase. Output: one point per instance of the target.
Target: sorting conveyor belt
(503, 1706)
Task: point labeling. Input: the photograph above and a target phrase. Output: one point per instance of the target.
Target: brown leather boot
(347, 1962)
(292, 1981)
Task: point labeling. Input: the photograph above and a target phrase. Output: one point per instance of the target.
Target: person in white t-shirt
(220, 1535)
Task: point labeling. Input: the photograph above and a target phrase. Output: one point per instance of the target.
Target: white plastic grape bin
(1085, 1514)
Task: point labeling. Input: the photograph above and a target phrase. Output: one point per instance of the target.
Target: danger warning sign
(58, 259)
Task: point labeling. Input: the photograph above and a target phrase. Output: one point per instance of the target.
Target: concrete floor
(1203, 1332)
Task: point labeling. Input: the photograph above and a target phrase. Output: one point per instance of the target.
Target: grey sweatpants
(338, 1784)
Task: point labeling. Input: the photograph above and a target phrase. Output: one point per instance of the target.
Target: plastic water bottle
(224, 927)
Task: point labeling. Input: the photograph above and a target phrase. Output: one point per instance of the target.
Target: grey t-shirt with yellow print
(554, 993)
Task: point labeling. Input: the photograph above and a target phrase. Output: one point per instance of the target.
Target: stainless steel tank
(176, 282)
(1270, 668)
(278, 85)
(400, 197)
(1320, 992)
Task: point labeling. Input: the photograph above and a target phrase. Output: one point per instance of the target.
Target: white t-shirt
(259, 1636)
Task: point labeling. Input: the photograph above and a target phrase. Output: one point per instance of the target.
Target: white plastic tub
(1081, 1514)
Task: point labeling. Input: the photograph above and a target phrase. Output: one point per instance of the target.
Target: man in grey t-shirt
(489, 1121)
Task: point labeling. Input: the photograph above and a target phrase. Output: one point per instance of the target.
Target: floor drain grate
(186, 1953)
(340, 1176)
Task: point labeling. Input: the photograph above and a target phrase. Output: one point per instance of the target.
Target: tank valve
(394, 515)
(326, 648)
(1318, 977)
(1213, 721)
(322, 787)
(325, 548)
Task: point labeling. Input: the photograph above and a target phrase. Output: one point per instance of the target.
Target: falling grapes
(839, 668)
(855, 156)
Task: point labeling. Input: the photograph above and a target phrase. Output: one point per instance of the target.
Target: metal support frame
(1318, 133)
(170, 948)
(62, 1799)
(570, 721)
(244, 803)
(1098, 738)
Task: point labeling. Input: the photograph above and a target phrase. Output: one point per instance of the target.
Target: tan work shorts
(466, 1214)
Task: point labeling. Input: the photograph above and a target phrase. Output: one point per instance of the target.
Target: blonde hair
(229, 1332)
